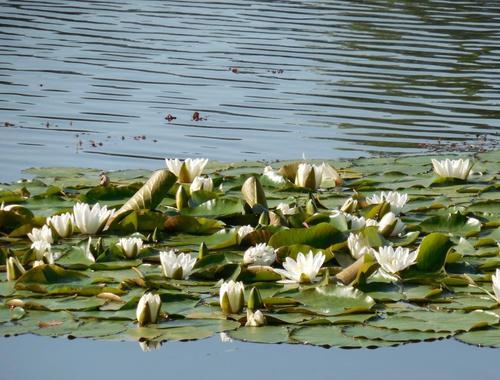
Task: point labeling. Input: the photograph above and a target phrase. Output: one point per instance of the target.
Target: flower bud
(255, 319)
(203, 251)
(181, 198)
(148, 309)
(14, 269)
(254, 299)
(232, 297)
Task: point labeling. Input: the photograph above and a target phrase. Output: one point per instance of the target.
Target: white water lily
(452, 168)
(255, 319)
(286, 209)
(356, 223)
(148, 309)
(201, 183)
(41, 234)
(390, 225)
(330, 175)
(395, 260)
(261, 254)
(188, 169)
(48, 257)
(88, 251)
(496, 285)
(395, 199)
(274, 176)
(304, 269)
(177, 267)
(40, 247)
(130, 246)
(309, 176)
(14, 268)
(244, 231)
(359, 246)
(61, 224)
(90, 220)
(232, 297)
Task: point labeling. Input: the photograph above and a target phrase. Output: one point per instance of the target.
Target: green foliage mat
(446, 294)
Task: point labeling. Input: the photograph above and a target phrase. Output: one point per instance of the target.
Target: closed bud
(254, 299)
(14, 269)
(264, 218)
(255, 319)
(181, 198)
(203, 251)
(311, 208)
(350, 206)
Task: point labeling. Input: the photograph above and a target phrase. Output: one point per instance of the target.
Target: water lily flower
(330, 175)
(395, 199)
(452, 168)
(177, 267)
(232, 297)
(244, 231)
(148, 309)
(187, 170)
(274, 176)
(40, 247)
(390, 225)
(14, 269)
(61, 224)
(395, 260)
(130, 246)
(261, 254)
(309, 176)
(356, 223)
(304, 269)
(255, 319)
(41, 234)
(496, 285)
(201, 183)
(91, 220)
(88, 251)
(359, 246)
(48, 257)
(286, 209)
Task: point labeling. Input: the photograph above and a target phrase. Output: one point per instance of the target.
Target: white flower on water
(452, 168)
(395, 260)
(244, 231)
(304, 269)
(188, 169)
(309, 176)
(330, 175)
(274, 176)
(88, 251)
(177, 267)
(130, 246)
(148, 309)
(41, 234)
(62, 224)
(395, 199)
(496, 285)
(255, 319)
(48, 257)
(286, 209)
(359, 246)
(261, 254)
(232, 297)
(201, 183)
(390, 225)
(356, 222)
(90, 220)
(40, 247)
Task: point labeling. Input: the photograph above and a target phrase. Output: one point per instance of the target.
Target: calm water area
(89, 83)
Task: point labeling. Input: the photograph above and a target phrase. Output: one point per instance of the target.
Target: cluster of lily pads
(364, 253)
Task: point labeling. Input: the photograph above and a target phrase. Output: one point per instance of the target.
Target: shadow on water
(330, 78)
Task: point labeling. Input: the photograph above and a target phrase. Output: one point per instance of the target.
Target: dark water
(338, 78)
(61, 359)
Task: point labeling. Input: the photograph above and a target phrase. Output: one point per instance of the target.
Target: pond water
(236, 360)
(90, 83)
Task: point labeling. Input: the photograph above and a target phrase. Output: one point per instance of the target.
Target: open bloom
(201, 183)
(395, 260)
(305, 269)
(148, 309)
(309, 176)
(188, 169)
(452, 168)
(274, 176)
(286, 209)
(244, 231)
(130, 246)
(178, 267)
(356, 223)
(358, 245)
(40, 247)
(390, 225)
(261, 254)
(91, 220)
(496, 285)
(232, 297)
(41, 234)
(395, 199)
(61, 224)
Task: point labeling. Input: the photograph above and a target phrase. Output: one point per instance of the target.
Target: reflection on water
(335, 78)
(84, 359)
